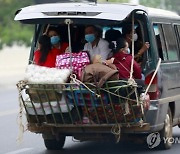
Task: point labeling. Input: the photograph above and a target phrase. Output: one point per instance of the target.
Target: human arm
(144, 48)
(109, 61)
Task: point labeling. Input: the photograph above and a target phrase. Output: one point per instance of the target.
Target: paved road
(33, 143)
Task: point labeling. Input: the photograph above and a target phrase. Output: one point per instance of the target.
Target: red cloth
(63, 48)
(51, 58)
(123, 64)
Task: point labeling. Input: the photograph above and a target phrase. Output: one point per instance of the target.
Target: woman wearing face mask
(95, 45)
(45, 55)
(139, 47)
(122, 59)
(56, 40)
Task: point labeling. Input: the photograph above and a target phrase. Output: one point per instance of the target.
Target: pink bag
(79, 61)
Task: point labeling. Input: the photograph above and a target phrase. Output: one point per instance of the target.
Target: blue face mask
(90, 37)
(55, 40)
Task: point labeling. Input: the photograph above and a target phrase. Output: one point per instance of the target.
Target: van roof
(109, 11)
(161, 12)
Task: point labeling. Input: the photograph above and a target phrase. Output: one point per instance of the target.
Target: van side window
(166, 42)
(160, 42)
(177, 31)
(170, 40)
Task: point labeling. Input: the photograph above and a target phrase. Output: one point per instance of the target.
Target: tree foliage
(14, 32)
(11, 31)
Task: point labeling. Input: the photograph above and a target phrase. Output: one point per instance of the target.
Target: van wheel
(166, 132)
(55, 144)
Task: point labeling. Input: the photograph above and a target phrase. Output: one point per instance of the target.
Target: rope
(69, 22)
(78, 82)
(116, 130)
(126, 108)
(141, 101)
(132, 61)
(115, 91)
(131, 82)
(157, 67)
(141, 122)
(46, 31)
(20, 85)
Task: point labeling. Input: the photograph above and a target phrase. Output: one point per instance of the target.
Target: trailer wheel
(166, 132)
(55, 144)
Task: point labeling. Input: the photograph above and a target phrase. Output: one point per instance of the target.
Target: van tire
(55, 144)
(166, 132)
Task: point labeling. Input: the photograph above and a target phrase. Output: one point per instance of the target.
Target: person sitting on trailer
(122, 59)
(45, 55)
(139, 47)
(95, 44)
(56, 40)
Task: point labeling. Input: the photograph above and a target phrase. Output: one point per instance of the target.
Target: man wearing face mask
(139, 47)
(96, 45)
(56, 40)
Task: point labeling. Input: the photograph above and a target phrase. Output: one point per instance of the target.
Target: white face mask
(128, 51)
(135, 36)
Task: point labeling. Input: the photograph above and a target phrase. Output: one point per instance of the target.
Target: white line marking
(19, 151)
(9, 112)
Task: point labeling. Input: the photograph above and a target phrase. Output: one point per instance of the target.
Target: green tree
(11, 31)
(14, 32)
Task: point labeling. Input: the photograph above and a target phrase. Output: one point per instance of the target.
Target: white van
(158, 27)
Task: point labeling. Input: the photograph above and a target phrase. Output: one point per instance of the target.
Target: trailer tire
(55, 144)
(166, 132)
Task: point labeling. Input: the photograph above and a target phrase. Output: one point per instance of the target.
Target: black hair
(53, 28)
(112, 35)
(120, 43)
(93, 26)
(45, 47)
(126, 29)
(97, 30)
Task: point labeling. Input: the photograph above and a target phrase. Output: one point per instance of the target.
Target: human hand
(109, 61)
(97, 59)
(146, 46)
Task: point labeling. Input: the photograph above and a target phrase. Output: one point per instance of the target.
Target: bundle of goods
(124, 104)
(44, 75)
(79, 61)
(81, 96)
(113, 113)
(44, 90)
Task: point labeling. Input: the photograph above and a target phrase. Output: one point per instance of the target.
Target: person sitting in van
(111, 36)
(139, 47)
(122, 60)
(95, 44)
(56, 40)
(45, 55)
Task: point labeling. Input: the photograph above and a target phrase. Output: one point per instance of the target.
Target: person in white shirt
(96, 45)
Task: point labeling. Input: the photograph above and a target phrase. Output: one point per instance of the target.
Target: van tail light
(153, 90)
